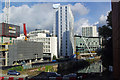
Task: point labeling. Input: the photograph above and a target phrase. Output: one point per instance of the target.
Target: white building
(90, 31)
(49, 43)
(64, 22)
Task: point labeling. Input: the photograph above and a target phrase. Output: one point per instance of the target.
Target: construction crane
(6, 12)
(25, 32)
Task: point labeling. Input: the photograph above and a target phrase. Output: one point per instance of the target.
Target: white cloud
(79, 9)
(96, 23)
(102, 20)
(37, 16)
(41, 15)
(79, 24)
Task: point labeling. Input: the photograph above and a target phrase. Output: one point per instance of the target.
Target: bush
(46, 68)
(19, 68)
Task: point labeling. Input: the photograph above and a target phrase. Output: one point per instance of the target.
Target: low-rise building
(49, 44)
(27, 51)
(87, 44)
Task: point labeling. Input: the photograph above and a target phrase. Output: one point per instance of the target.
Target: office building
(55, 17)
(8, 33)
(87, 44)
(64, 22)
(49, 43)
(90, 31)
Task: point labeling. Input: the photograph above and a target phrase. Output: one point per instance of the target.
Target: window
(80, 43)
(49, 50)
(61, 23)
(44, 47)
(48, 42)
(96, 42)
(61, 17)
(60, 7)
(61, 12)
(66, 53)
(66, 20)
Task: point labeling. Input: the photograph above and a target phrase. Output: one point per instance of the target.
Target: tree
(54, 57)
(106, 32)
(109, 19)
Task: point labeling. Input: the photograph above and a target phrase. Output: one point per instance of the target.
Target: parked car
(71, 75)
(49, 74)
(13, 72)
(46, 75)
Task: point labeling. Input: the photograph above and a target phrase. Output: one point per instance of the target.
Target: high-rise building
(64, 22)
(90, 31)
(55, 16)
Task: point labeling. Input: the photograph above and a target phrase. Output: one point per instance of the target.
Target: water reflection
(71, 66)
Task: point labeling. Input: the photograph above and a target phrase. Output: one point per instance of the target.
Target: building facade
(49, 43)
(90, 31)
(8, 33)
(116, 38)
(64, 23)
(87, 44)
(24, 51)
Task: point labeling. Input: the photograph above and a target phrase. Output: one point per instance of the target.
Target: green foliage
(105, 31)
(107, 52)
(39, 69)
(48, 68)
(109, 19)
(54, 57)
(18, 68)
(92, 60)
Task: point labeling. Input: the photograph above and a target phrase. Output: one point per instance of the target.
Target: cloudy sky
(40, 14)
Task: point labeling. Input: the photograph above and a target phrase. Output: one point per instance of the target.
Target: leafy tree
(109, 19)
(54, 57)
(106, 32)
